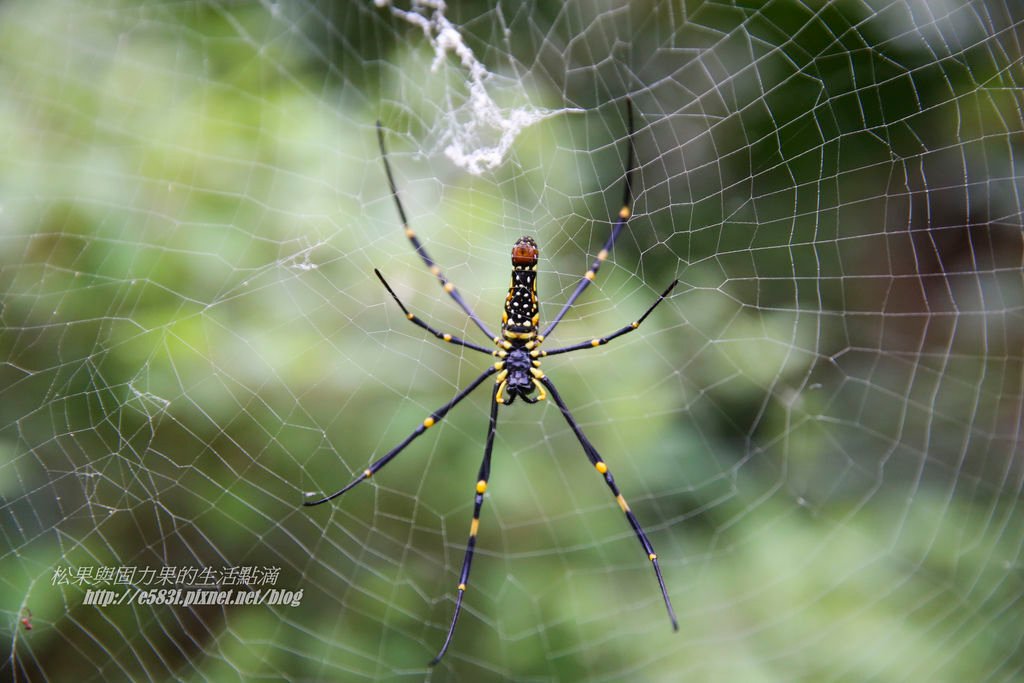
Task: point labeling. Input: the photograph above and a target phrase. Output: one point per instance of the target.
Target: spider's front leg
(474, 527)
(427, 423)
(599, 464)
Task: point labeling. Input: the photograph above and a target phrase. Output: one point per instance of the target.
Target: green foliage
(818, 429)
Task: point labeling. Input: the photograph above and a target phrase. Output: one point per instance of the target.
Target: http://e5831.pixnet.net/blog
(184, 586)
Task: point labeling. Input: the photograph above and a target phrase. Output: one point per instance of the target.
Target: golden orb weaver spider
(518, 367)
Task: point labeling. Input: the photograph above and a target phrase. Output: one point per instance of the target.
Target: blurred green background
(820, 430)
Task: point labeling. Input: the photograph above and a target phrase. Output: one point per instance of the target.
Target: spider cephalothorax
(517, 369)
(519, 375)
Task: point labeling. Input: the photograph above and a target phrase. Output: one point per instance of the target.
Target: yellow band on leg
(540, 388)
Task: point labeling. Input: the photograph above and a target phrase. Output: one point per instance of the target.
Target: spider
(517, 372)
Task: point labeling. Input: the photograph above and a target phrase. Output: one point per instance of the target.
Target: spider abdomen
(521, 316)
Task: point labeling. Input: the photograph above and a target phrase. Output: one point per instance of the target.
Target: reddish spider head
(524, 252)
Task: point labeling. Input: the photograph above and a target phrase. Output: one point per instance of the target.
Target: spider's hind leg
(443, 336)
(620, 222)
(447, 285)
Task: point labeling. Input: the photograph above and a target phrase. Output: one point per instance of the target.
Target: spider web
(820, 429)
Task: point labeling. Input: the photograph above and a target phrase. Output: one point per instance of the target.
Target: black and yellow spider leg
(443, 336)
(620, 223)
(600, 465)
(478, 503)
(446, 284)
(427, 423)
(593, 343)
